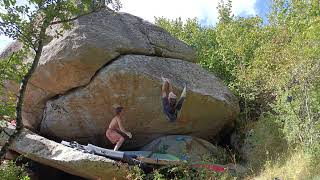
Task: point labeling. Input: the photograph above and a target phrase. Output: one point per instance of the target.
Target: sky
(204, 10)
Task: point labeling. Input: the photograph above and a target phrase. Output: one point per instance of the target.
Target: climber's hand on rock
(184, 92)
(163, 79)
(129, 135)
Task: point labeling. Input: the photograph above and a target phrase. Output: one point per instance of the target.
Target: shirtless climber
(169, 100)
(115, 126)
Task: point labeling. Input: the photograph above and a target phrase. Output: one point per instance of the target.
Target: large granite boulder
(112, 58)
(69, 160)
(134, 81)
(9, 92)
(95, 40)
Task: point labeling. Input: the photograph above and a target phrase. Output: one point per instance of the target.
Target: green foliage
(273, 68)
(136, 173)
(10, 171)
(297, 165)
(267, 142)
(224, 10)
(288, 66)
(12, 70)
(182, 171)
(24, 21)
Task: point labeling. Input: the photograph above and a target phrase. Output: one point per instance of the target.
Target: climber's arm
(165, 87)
(165, 94)
(182, 98)
(170, 86)
(122, 128)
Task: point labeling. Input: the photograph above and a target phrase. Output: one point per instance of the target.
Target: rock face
(134, 81)
(115, 58)
(9, 91)
(95, 40)
(185, 147)
(13, 47)
(56, 155)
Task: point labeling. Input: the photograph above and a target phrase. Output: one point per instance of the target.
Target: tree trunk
(22, 90)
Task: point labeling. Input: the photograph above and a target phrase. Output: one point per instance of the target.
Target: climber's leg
(119, 143)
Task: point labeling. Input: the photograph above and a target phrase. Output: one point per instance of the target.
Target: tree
(28, 23)
(225, 12)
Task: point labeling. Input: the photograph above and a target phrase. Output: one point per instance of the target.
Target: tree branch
(75, 18)
(28, 40)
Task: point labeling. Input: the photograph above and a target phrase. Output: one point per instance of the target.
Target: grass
(298, 166)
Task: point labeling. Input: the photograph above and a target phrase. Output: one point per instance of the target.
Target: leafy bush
(274, 69)
(135, 173)
(10, 171)
(12, 70)
(183, 172)
(264, 142)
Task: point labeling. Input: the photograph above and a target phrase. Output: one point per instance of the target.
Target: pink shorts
(113, 136)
